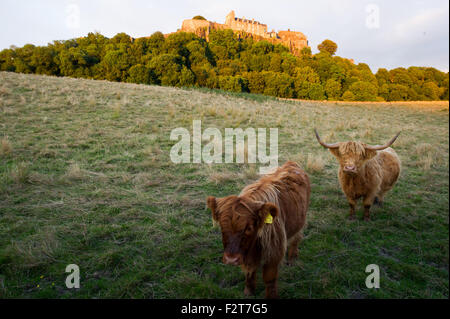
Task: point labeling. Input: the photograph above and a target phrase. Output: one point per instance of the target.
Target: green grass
(86, 179)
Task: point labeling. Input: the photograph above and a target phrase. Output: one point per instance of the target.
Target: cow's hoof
(367, 219)
(248, 292)
(291, 259)
(378, 202)
(351, 217)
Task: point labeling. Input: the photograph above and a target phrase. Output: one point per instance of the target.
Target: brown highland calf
(365, 171)
(262, 222)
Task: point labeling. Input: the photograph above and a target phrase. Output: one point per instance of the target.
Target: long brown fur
(247, 238)
(377, 172)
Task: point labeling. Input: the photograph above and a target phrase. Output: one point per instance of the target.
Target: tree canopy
(328, 46)
(226, 62)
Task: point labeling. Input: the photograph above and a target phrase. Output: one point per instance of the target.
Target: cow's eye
(249, 230)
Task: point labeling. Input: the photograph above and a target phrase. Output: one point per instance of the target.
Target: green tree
(328, 46)
(316, 92)
(431, 91)
(186, 78)
(170, 71)
(116, 65)
(333, 89)
(383, 91)
(224, 44)
(364, 91)
(22, 59)
(156, 44)
(43, 61)
(382, 76)
(228, 60)
(141, 74)
(256, 83)
(398, 92)
(304, 79)
(233, 83)
(278, 84)
(7, 57)
(348, 96)
(74, 62)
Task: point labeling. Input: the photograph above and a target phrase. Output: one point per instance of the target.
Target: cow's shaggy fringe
(272, 236)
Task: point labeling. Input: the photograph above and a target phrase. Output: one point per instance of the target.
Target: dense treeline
(226, 62)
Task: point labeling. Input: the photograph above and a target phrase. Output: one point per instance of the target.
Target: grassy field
(86, 179)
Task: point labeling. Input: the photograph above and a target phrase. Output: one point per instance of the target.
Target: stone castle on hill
(295, 41)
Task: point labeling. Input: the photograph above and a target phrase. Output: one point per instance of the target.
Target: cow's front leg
(250, 282)
(367, 204)
(352, 204)
(270, 276)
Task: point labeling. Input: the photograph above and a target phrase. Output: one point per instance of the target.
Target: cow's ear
(267, 213)
(368, 154)
(335, 152)
(211, 201)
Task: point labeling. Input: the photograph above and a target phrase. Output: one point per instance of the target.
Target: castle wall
(295, 41)
(192, 25)
(254, 27)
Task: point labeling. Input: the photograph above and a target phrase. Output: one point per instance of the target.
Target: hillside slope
(86, 179)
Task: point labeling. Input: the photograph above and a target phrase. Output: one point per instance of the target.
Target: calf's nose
(349, 167)
(230, 259)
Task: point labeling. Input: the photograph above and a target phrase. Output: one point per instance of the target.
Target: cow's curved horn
(335, 145)
(382, 147)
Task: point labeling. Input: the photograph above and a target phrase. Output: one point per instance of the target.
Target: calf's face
(239, 221)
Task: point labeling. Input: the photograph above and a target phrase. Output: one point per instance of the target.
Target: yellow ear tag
(269, 219)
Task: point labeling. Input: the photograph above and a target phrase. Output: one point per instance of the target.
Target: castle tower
(295, 41)
(230, 18)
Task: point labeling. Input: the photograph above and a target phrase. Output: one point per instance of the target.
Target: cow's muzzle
(232, 259)
(350, 169)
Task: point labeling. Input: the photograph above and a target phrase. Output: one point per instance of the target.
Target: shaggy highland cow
(365, 171)
(262, 222)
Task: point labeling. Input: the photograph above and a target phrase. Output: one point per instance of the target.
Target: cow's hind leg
(380, 197)
(293, 246)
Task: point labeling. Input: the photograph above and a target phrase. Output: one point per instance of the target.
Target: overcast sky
(381, 33)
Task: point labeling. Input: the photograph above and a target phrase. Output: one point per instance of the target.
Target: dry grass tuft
(4, 91)
(221, 177)
(425, 162)
(74, 173)
(43, 179)
(144, 180)
(368, 133)
(251, 173)
(405, 141)
(47, 153)
(315, 163)
(423, 148)
(20, 174)
(91, 101)
(5, 147)
(36, 250)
